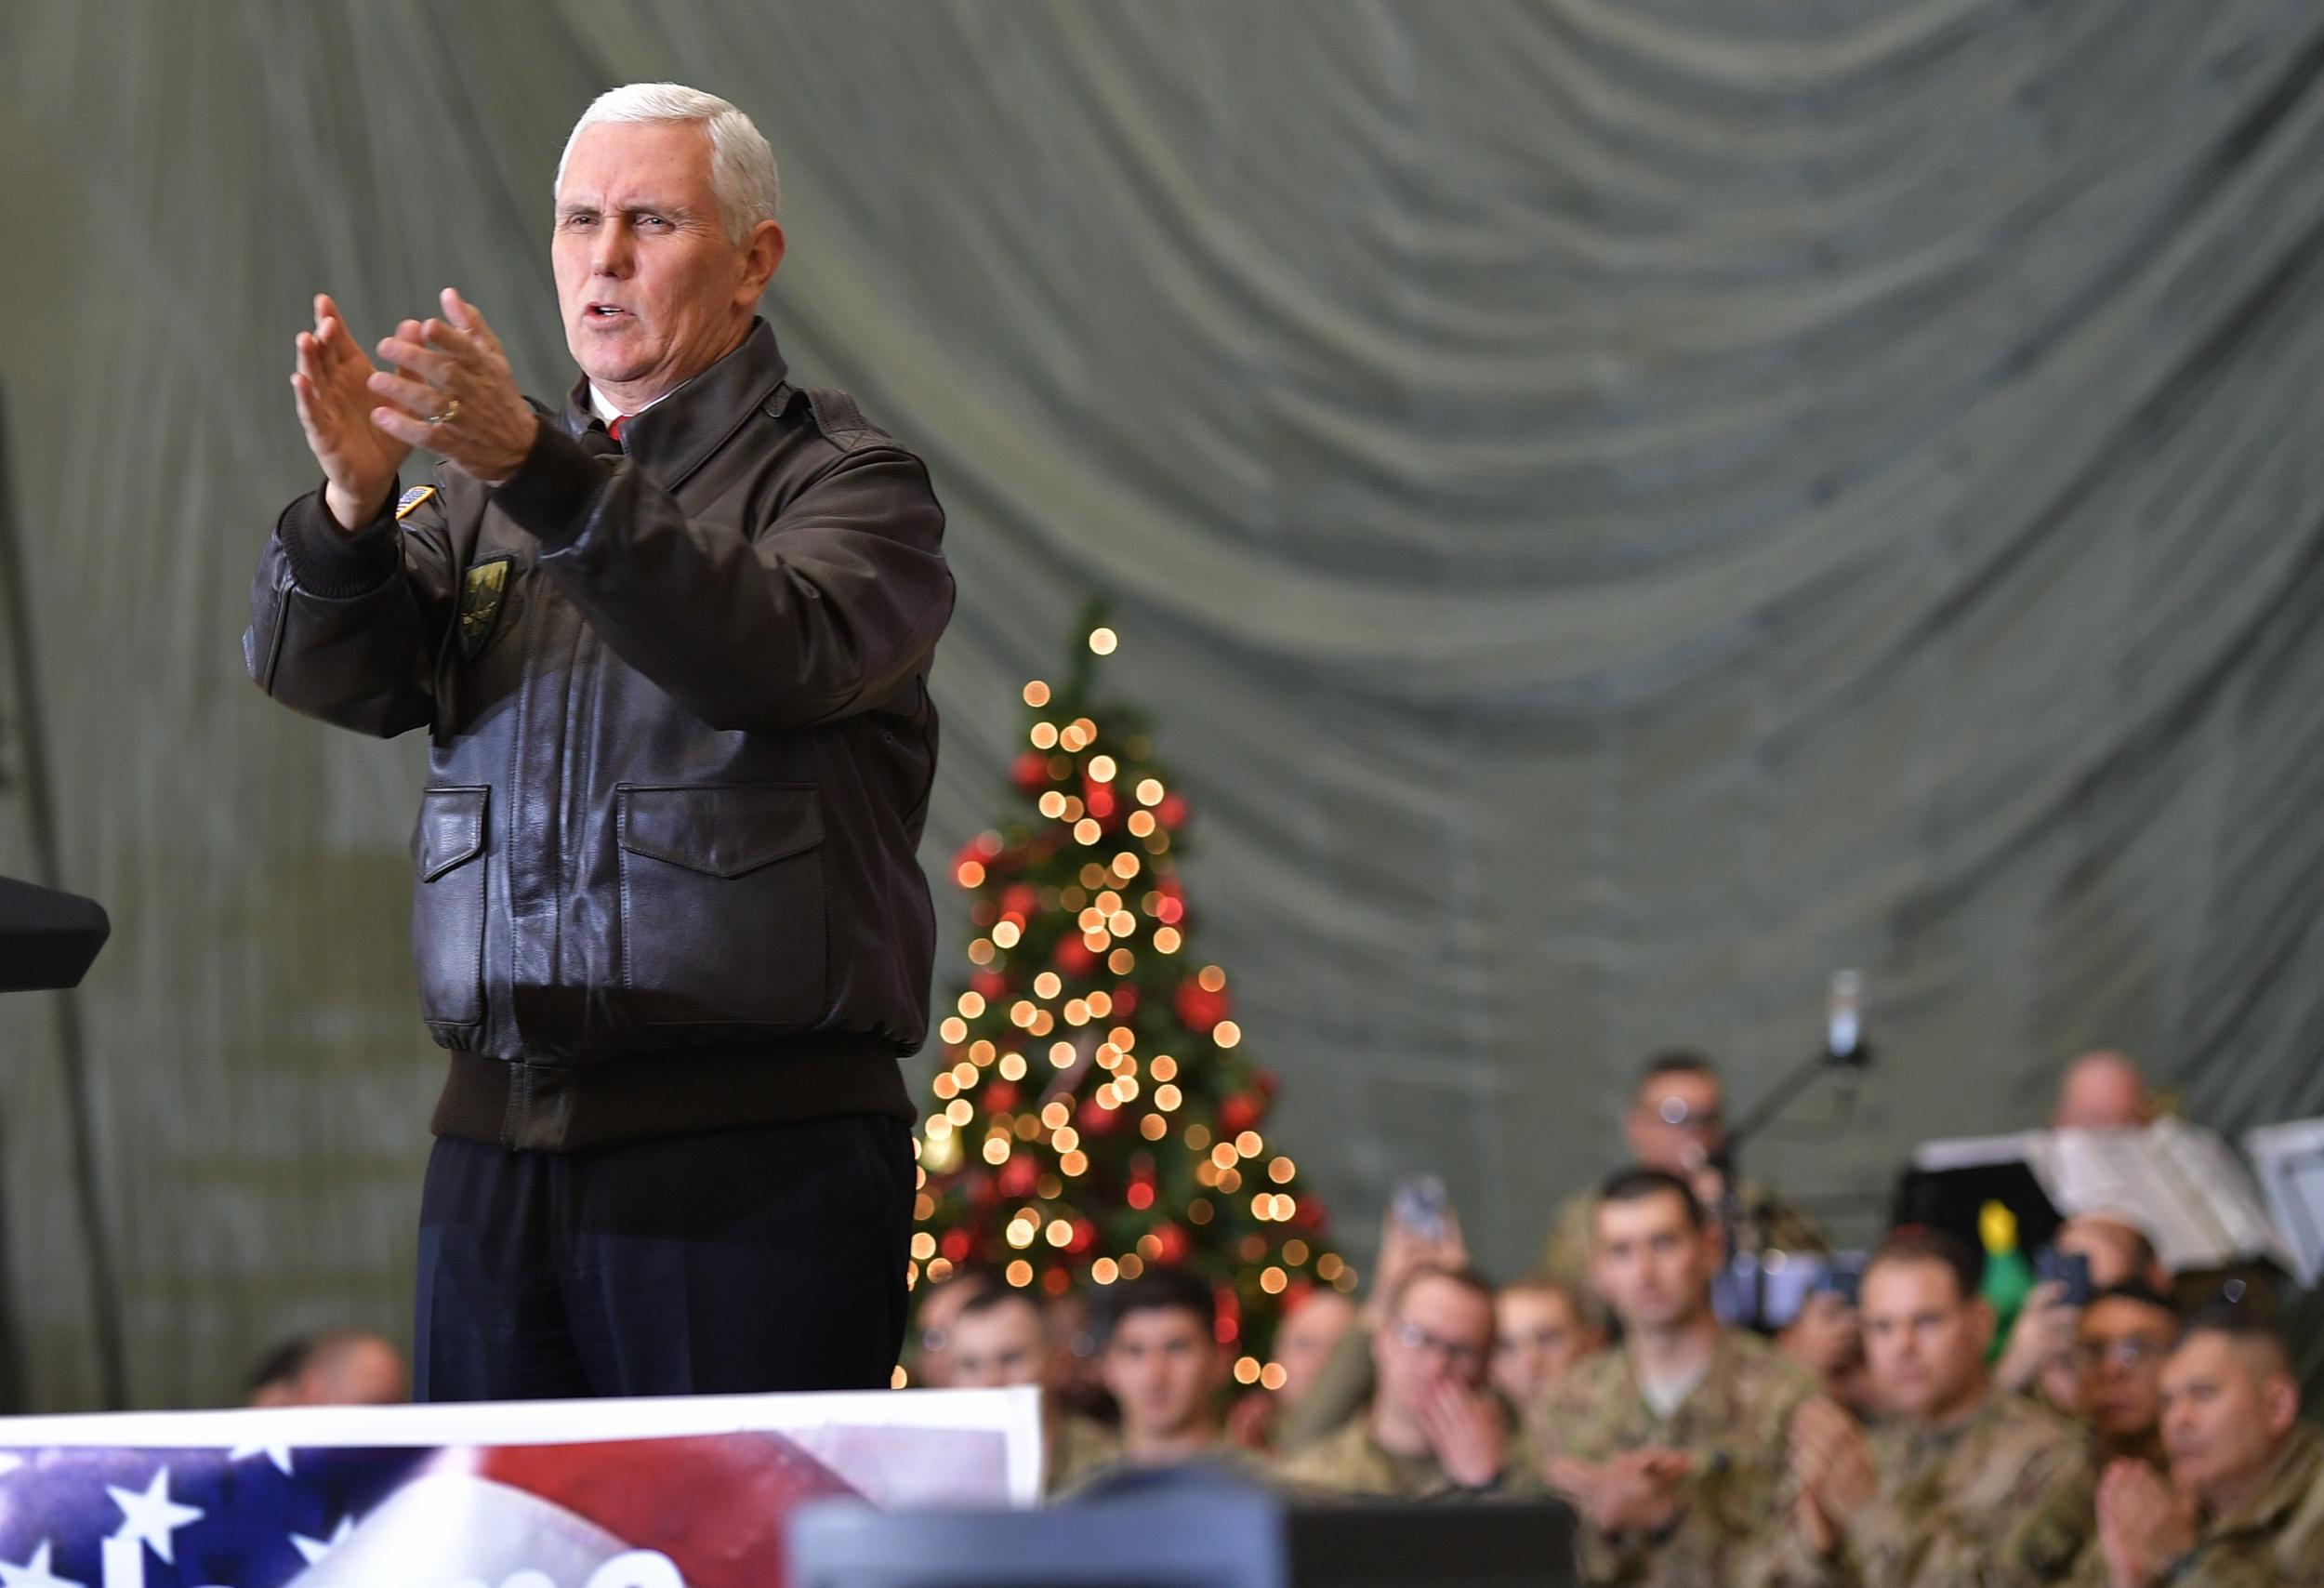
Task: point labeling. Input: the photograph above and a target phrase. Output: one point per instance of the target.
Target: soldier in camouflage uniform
(2244, 1507)
(1965, 1487)
(1160, 1359)
(1433, 1429)
(1677, 1123)
(1670, 1445)
(1000, 1338)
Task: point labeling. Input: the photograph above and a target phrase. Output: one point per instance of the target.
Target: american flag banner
(682, 1493)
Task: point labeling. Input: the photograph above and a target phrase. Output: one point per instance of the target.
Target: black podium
(47, 939)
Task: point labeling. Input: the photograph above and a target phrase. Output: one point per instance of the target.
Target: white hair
(742, 177)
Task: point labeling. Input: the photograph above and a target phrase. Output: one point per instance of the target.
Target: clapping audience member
(1433, 1428)
(1671, 1444)
(1312, 1327)
(1541, 1328)
(1962, 1484)
(344, 1367)
(1000, 1338)
(2244, 1505)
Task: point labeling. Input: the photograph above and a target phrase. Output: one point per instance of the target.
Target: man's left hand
(463, 404)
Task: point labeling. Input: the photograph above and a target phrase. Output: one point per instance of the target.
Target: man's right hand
(334, 401)
(2042, 1336)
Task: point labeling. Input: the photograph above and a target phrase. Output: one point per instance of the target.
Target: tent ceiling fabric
(1618, 506)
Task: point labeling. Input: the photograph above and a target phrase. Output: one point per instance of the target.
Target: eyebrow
(669, 211)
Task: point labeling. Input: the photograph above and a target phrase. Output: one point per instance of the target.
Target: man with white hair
(671, 648)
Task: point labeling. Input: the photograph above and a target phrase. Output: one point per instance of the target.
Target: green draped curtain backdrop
(1616, 507)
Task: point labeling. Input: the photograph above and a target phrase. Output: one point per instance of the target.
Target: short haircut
(2245, 1324)
(1918, 1243)
(1468, 1279)
(993, 1301)
(2137, 1291)
(1158, 1290)
(743, 176)
(281, 1364)
(1540, 1284)
(1637, 1183)
(1676, 1061)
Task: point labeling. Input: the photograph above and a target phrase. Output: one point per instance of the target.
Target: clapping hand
(1637, 1491)
(1464, 1428)
(332, 388)
(2143, 1524)
(1832, 1468)
(453, 392)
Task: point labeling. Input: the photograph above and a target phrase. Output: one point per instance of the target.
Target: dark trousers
(770, 1258)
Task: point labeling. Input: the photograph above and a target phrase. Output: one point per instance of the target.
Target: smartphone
(1421, 1204)
(2068, 1268)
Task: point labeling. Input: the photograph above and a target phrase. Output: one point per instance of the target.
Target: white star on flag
(33, 1573)
(315, 1549)
(152, 1516)
(279, 1455)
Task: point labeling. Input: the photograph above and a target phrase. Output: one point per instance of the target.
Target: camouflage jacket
(1351, 1461)
(2000, 1499)
(1077, 1446)
(1735, 1424)
(2275, 1542)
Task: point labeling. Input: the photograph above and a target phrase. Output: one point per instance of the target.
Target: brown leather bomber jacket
(681, 746)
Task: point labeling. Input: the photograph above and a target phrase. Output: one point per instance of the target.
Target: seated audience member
(2102, 1090)
(2244, 1505)
(1828, 1339)
(2041, 1355)
(1963, 1483)
(2126, 1335)
(1159, 1356)
(1311, 1332)
(343, 1368)
(1671, 1444)
(1433, 1429)
(1677, 1122)
(1540, 1329)
(1343, 1383)
(928, 1349)
(1000, 1338)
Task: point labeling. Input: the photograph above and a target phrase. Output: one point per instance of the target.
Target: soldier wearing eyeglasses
(1434, 1430)
(2126, 1333)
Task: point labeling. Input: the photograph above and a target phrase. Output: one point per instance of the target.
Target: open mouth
(605, 313)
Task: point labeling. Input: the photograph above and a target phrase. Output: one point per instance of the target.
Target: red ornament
(1098, 799)
(1201, 1009)
(1240, 1112)
(1270, 1083)
(1095, 1119)
(999, 1096)
(1125, 1002)
(1085, 1235)
(1230, 1314)
(1030, 772)
(1074, 958)
(1021, 900)
(1170, 1245)
(990, 986)
(1172, 813)
(1017, 1175)
(955, 1246)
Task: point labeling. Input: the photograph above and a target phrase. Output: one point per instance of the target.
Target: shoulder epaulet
(841, 422)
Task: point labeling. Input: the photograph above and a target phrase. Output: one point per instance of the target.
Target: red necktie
(617, 424)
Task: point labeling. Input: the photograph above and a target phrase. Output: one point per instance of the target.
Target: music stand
(47, 939)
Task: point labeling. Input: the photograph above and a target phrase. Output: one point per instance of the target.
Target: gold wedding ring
(451, 412)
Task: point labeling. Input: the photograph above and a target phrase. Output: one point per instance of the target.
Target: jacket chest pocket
(723, 903)
(448, 904)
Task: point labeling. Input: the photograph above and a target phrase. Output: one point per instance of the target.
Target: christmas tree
(1094, 1111)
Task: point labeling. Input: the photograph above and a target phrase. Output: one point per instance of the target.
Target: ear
(2279, 1401)
(1982, 1323)
(763, 256)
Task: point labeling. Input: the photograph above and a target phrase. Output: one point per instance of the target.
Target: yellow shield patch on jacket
(480, 594)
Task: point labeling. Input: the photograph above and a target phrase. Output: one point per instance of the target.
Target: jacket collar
(677, 435)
